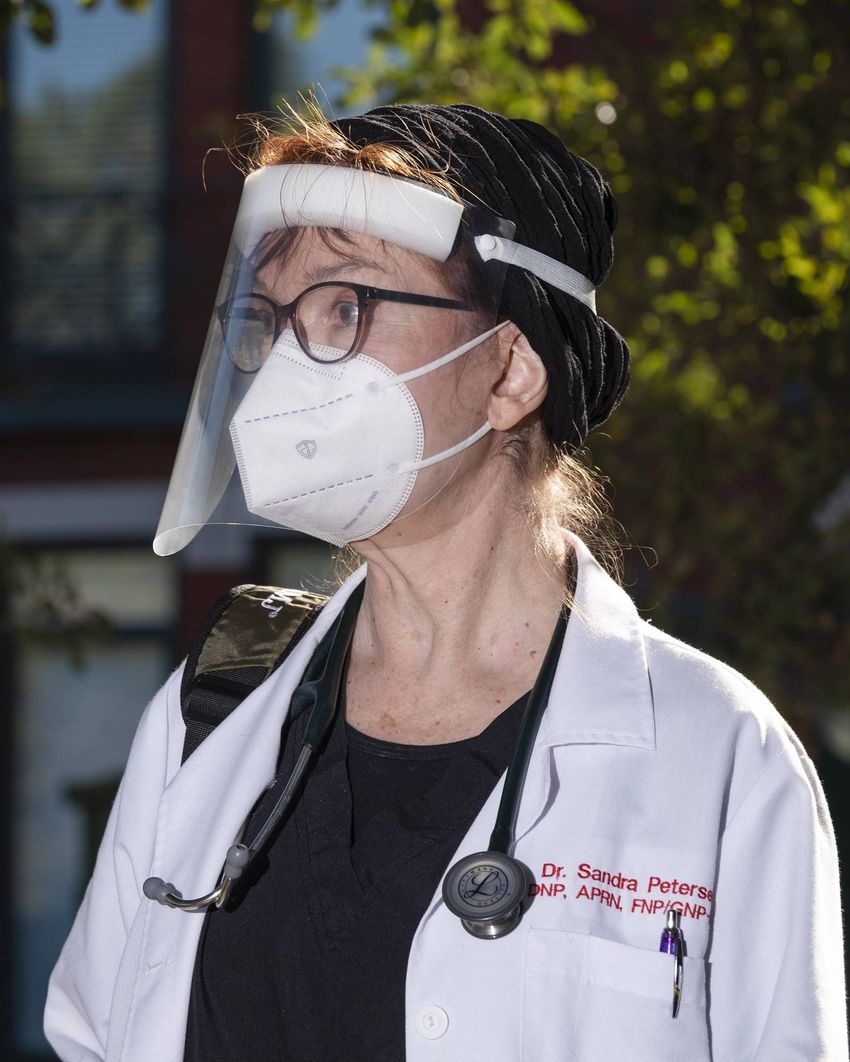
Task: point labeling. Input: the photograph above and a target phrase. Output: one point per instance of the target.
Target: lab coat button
(432, 1022)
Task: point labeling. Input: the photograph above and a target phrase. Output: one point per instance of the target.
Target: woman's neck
(471, 595)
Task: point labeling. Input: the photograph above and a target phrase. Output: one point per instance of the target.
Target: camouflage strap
(246, 635)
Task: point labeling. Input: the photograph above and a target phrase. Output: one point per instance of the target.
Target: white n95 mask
(334, 449)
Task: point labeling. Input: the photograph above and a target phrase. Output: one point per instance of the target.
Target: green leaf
(41, 21)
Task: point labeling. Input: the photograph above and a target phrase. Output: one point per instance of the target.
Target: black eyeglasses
(328, 320)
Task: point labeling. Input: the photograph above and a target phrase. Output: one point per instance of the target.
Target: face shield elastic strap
(550, 270)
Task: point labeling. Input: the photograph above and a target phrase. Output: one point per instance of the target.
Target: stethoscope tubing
(504, 830)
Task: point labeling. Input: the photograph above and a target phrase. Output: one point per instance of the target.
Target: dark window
(85, 190)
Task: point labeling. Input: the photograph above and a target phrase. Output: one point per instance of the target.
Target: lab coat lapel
(601, 693)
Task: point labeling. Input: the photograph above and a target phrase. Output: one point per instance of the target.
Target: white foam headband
(407, 213)
(403, 212)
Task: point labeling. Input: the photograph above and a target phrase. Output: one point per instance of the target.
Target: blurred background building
(111, 253)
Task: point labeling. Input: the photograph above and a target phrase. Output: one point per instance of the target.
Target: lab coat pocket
(626, 1006)
(551, 986)
(589, 999)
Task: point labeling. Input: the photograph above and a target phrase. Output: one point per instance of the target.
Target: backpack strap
(246, 636)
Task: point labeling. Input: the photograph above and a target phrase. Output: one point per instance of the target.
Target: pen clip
(673, 943)
(678, 976)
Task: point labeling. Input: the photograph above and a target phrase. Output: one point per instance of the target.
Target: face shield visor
(335, 394)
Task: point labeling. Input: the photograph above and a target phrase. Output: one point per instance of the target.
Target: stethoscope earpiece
(159, 890)
(485, 890)
(238, 858)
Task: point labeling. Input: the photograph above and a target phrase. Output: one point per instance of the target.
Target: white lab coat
(659, 776)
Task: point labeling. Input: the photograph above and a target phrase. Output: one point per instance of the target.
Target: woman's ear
(522, 385)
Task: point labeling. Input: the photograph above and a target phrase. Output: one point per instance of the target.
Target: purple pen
(673, 943)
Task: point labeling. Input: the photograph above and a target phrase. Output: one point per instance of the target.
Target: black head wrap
(562, 206)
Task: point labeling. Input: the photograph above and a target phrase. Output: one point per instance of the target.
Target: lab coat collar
(601, 693)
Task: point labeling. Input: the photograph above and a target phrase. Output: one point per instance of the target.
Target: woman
(404, 353)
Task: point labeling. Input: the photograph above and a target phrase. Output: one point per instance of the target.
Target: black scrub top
(310, 965)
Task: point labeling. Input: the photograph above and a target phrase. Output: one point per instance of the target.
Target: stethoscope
(485, 890)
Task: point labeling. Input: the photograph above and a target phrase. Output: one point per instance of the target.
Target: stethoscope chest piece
(485, 890)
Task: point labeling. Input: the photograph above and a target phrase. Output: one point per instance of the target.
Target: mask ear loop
(444, 455)
(375, 387)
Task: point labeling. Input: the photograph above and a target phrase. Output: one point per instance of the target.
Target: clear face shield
(337, 390)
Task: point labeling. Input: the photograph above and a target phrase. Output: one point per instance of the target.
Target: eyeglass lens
(326, 325)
